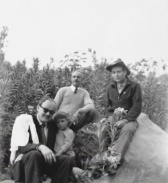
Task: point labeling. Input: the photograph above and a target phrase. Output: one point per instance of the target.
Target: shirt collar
(114, 84)
(73, 88)
(40, 123)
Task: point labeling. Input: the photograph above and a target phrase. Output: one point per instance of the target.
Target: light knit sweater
(69, 102)
(64, 141)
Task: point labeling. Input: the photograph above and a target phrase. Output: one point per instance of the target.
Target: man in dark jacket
(32, 147)
(126, 94)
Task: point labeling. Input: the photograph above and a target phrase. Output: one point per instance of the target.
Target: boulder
(146, 160)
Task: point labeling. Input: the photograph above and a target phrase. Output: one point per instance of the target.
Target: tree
(3, 35)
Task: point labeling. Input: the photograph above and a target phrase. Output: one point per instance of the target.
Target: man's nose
(117, 74)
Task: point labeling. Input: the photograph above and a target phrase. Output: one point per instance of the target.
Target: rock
(146, 160)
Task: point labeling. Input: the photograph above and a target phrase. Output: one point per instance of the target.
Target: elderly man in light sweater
(77, 102)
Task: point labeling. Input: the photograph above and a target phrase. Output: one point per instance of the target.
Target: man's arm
(110, 109)
(58, 98)
(137, 104)
(28, 147)
(88, 103)
(109, 103)
(20, 139)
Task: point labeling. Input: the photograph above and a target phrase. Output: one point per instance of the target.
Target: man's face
(76, 78)
(62, 123)
(118, 74)
(46, 110)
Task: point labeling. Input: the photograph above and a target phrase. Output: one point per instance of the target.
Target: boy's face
(62, 123)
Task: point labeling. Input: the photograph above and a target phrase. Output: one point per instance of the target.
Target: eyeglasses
(47, 110)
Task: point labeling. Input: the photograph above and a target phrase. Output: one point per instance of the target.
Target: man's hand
(77, 115)
(121, 123)
(47, 153)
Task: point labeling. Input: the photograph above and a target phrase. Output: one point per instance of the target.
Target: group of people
(41, 144)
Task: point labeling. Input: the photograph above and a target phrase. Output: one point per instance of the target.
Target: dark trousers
(91, 116)
(122, 139)
(32, 167)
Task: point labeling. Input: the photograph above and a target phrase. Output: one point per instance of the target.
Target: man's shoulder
(109, 87)
(24, 117)
(84, 91)
(64, 88)
(134, 83)
(69, 131)
(23, 121)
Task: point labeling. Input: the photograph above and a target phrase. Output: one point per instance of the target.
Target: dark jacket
(130, 99)
(50, 140)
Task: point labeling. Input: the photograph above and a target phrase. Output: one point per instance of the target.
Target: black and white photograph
(83, 91)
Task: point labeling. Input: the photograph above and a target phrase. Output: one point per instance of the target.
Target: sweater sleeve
(69, 138)
(137, 104)
(88, 103)
(58, 98)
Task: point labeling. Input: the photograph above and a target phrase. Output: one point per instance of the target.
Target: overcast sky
(129, 29)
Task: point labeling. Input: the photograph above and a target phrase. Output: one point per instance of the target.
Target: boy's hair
(60, 115)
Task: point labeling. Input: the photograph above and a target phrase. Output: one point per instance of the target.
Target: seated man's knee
(130, 127)
(65, 161)
(35, 155)
(93, 113)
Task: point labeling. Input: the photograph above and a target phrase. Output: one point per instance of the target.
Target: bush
(20, 86)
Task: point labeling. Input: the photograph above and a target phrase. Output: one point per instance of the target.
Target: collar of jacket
(114, 84)
(37, 123)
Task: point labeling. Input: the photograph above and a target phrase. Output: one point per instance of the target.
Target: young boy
(65, 136)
